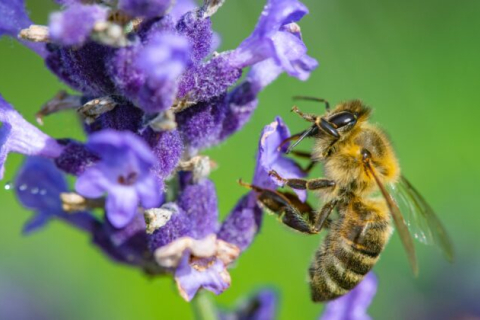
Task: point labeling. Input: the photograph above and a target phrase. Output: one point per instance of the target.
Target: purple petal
(260, 45)
(242, 102)
(289, 169)
(148, 198)
(210, 79)
(83, 68)
(92, 183)
(124, 117)
(121, 206)
(75, 158)
(271, 158)
(37, 222)
(292, 55)
(123, 70)
(149, 28)
(181, 7)
(178, 225)
(73, 26)
(110, 143)
(162, 61)
(266, 305)
(201, 125)
(145, 8)
(199, 33)
(199, 201)
(276, 39)
(353, 306)
(69, 2)
(213, 278)
(15, 18)
(17, 135)
(261, 306)
(167, 146)
(243, 223)
(127, 245)
(123, 173)
(38, 186)
(263, 73)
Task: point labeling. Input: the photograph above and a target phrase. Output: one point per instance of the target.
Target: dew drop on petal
(23, 187)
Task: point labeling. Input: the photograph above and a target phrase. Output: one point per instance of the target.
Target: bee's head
(344, 118)
(336, 123)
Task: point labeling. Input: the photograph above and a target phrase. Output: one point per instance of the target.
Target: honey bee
(358, 162)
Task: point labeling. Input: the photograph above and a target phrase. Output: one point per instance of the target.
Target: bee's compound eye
(342, 119)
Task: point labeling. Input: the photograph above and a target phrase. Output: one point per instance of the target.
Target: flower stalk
(204, 307)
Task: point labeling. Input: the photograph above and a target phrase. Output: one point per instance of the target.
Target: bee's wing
(421, 219)
(398, 219)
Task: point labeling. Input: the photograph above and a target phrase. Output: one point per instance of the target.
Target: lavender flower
(270, 157)
(261, 306)
(123, 173)
(273, 39)
(194, 254)
(161, 61)
(38, 186)
(169, 97)
(353, 305)
(145, 8)
(17, 135)
(74, 25)
(243, 223)
(14, 19)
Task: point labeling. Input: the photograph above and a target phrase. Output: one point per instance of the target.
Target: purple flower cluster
(153, 94)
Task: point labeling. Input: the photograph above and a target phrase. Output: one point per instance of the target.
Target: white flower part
(158, 217)
(227, 252)
(93, 109)
(169, 256)
(200, 166)
(35, 33)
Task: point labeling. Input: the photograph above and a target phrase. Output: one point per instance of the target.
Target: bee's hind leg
(291, 211)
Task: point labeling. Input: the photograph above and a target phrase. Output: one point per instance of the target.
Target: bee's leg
(305, 155)
(321, 220)
(302, 184)
(306, 116)
(287, 207)
(302, 154)
(327, 105)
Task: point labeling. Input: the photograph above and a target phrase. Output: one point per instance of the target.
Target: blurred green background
(415, 62)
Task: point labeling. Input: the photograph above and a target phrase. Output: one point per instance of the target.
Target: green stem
(203, 306)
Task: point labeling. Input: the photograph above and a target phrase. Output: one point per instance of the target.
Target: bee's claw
(273, 173)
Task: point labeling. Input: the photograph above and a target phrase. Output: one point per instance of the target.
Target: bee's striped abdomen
(350, 250)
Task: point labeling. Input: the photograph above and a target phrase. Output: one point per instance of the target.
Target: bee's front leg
(303, 184)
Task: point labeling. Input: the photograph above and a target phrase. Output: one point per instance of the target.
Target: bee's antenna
(306, 98)
(313, 130)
